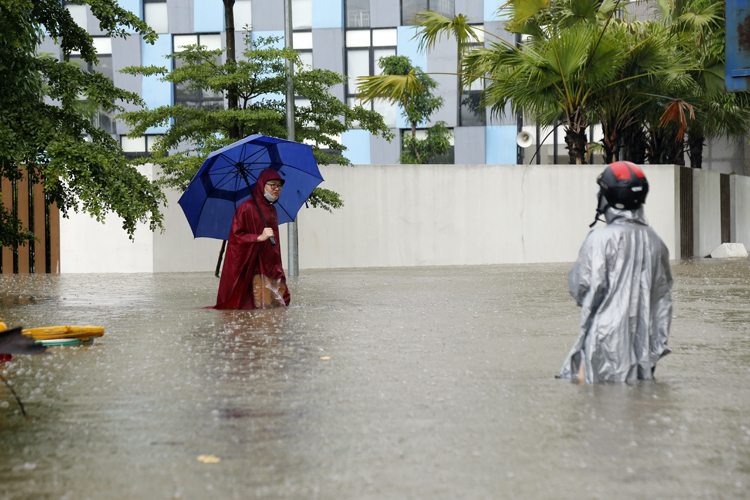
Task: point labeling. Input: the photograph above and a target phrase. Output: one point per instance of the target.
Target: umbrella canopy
(229, 174)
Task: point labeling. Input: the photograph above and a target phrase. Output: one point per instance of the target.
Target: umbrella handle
(273, 241)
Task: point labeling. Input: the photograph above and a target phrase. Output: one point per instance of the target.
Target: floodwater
(408, 383)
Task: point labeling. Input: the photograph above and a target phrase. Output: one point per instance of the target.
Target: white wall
(88, 246)
(706, 212)
(740, 209)
(175, 249)
(413, 215)
(399, 215)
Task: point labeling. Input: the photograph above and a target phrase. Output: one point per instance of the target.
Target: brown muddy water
(408, 383)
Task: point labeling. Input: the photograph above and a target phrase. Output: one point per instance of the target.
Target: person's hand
(267, 233)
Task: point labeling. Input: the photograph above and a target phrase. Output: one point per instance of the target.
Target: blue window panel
(408, 46)
(490, 10)
(737, 65)
(208, 16)
(327, 14)
(357, 144)
(500, 144)
(155, 92)
(134, 6)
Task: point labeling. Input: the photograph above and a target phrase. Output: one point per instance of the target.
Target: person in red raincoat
(252, 276)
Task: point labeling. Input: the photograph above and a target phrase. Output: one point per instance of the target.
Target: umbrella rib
(227, 179)
(300, 170)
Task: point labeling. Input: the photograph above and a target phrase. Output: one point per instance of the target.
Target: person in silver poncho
(622, 283)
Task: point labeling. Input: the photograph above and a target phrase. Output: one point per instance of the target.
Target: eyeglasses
(275, 186)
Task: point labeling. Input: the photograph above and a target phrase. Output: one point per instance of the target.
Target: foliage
(45, 128)
(697, 28)
(436, 143)
(581, 62)
(409, 87)
(259, 78)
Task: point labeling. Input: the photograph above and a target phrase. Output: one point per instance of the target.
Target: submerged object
(15, 342)
(59, 335)
(12, 342)
(48, 333)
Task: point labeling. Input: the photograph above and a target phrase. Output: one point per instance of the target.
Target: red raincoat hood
(266, 175)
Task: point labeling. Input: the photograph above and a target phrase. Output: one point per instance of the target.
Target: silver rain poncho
(622, 283)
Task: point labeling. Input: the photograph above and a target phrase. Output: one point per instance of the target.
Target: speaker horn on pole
(524, 139)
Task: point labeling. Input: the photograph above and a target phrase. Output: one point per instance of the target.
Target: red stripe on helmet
(637, 170)
(621, 169)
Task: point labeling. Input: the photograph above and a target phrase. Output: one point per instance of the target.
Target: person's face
(274, 188)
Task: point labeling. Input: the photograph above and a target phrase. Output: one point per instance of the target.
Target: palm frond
(675, 112)
(433, 26)
(396, 89)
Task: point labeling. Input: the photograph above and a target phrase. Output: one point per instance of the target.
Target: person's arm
(661, 305)
(587, 279)
(266, 234)
(246, 225)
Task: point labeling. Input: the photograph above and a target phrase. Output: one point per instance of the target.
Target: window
(363, 49)
(410, 8)
(357, 13)
(78, 12)
(301, 14)
(155, 15)
(302, 41)
(196, 98)
(471, 113)
(103, 46)
(243, 15)
(138, 147)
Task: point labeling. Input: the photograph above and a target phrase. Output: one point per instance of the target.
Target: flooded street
(394, 383)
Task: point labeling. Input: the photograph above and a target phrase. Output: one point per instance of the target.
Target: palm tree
(698, 28)
(409, 87)
(568, 59)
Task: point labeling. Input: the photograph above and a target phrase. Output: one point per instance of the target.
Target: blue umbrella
(228, 176)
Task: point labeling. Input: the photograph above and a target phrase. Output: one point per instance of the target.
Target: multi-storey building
(348, 37)
(345, 36)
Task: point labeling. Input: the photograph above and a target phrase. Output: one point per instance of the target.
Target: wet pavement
(404, 383)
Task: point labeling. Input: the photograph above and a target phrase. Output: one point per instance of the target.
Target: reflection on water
(378, 383)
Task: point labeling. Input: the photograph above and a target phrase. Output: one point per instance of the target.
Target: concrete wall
(409, 215)
(706, 212)
(416, 215)
(740, 209)
(87, 246)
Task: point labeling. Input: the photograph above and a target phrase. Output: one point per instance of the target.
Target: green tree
(698, 29)
(45, 116)
(574, 66)
(409, 87)
(260, 82)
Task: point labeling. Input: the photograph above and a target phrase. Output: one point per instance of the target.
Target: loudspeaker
(524, 139)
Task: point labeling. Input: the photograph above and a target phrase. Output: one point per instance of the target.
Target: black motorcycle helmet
(623, 185)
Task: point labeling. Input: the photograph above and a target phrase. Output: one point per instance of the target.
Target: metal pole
(554, 145)
(519, 118)
(292, 241)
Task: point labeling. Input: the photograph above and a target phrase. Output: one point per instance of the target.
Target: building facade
(348, 37)
(345, 36)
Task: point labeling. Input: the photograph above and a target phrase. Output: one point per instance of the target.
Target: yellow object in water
(64, 332)
(60, 332)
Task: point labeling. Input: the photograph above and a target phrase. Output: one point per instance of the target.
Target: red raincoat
(252, 276)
